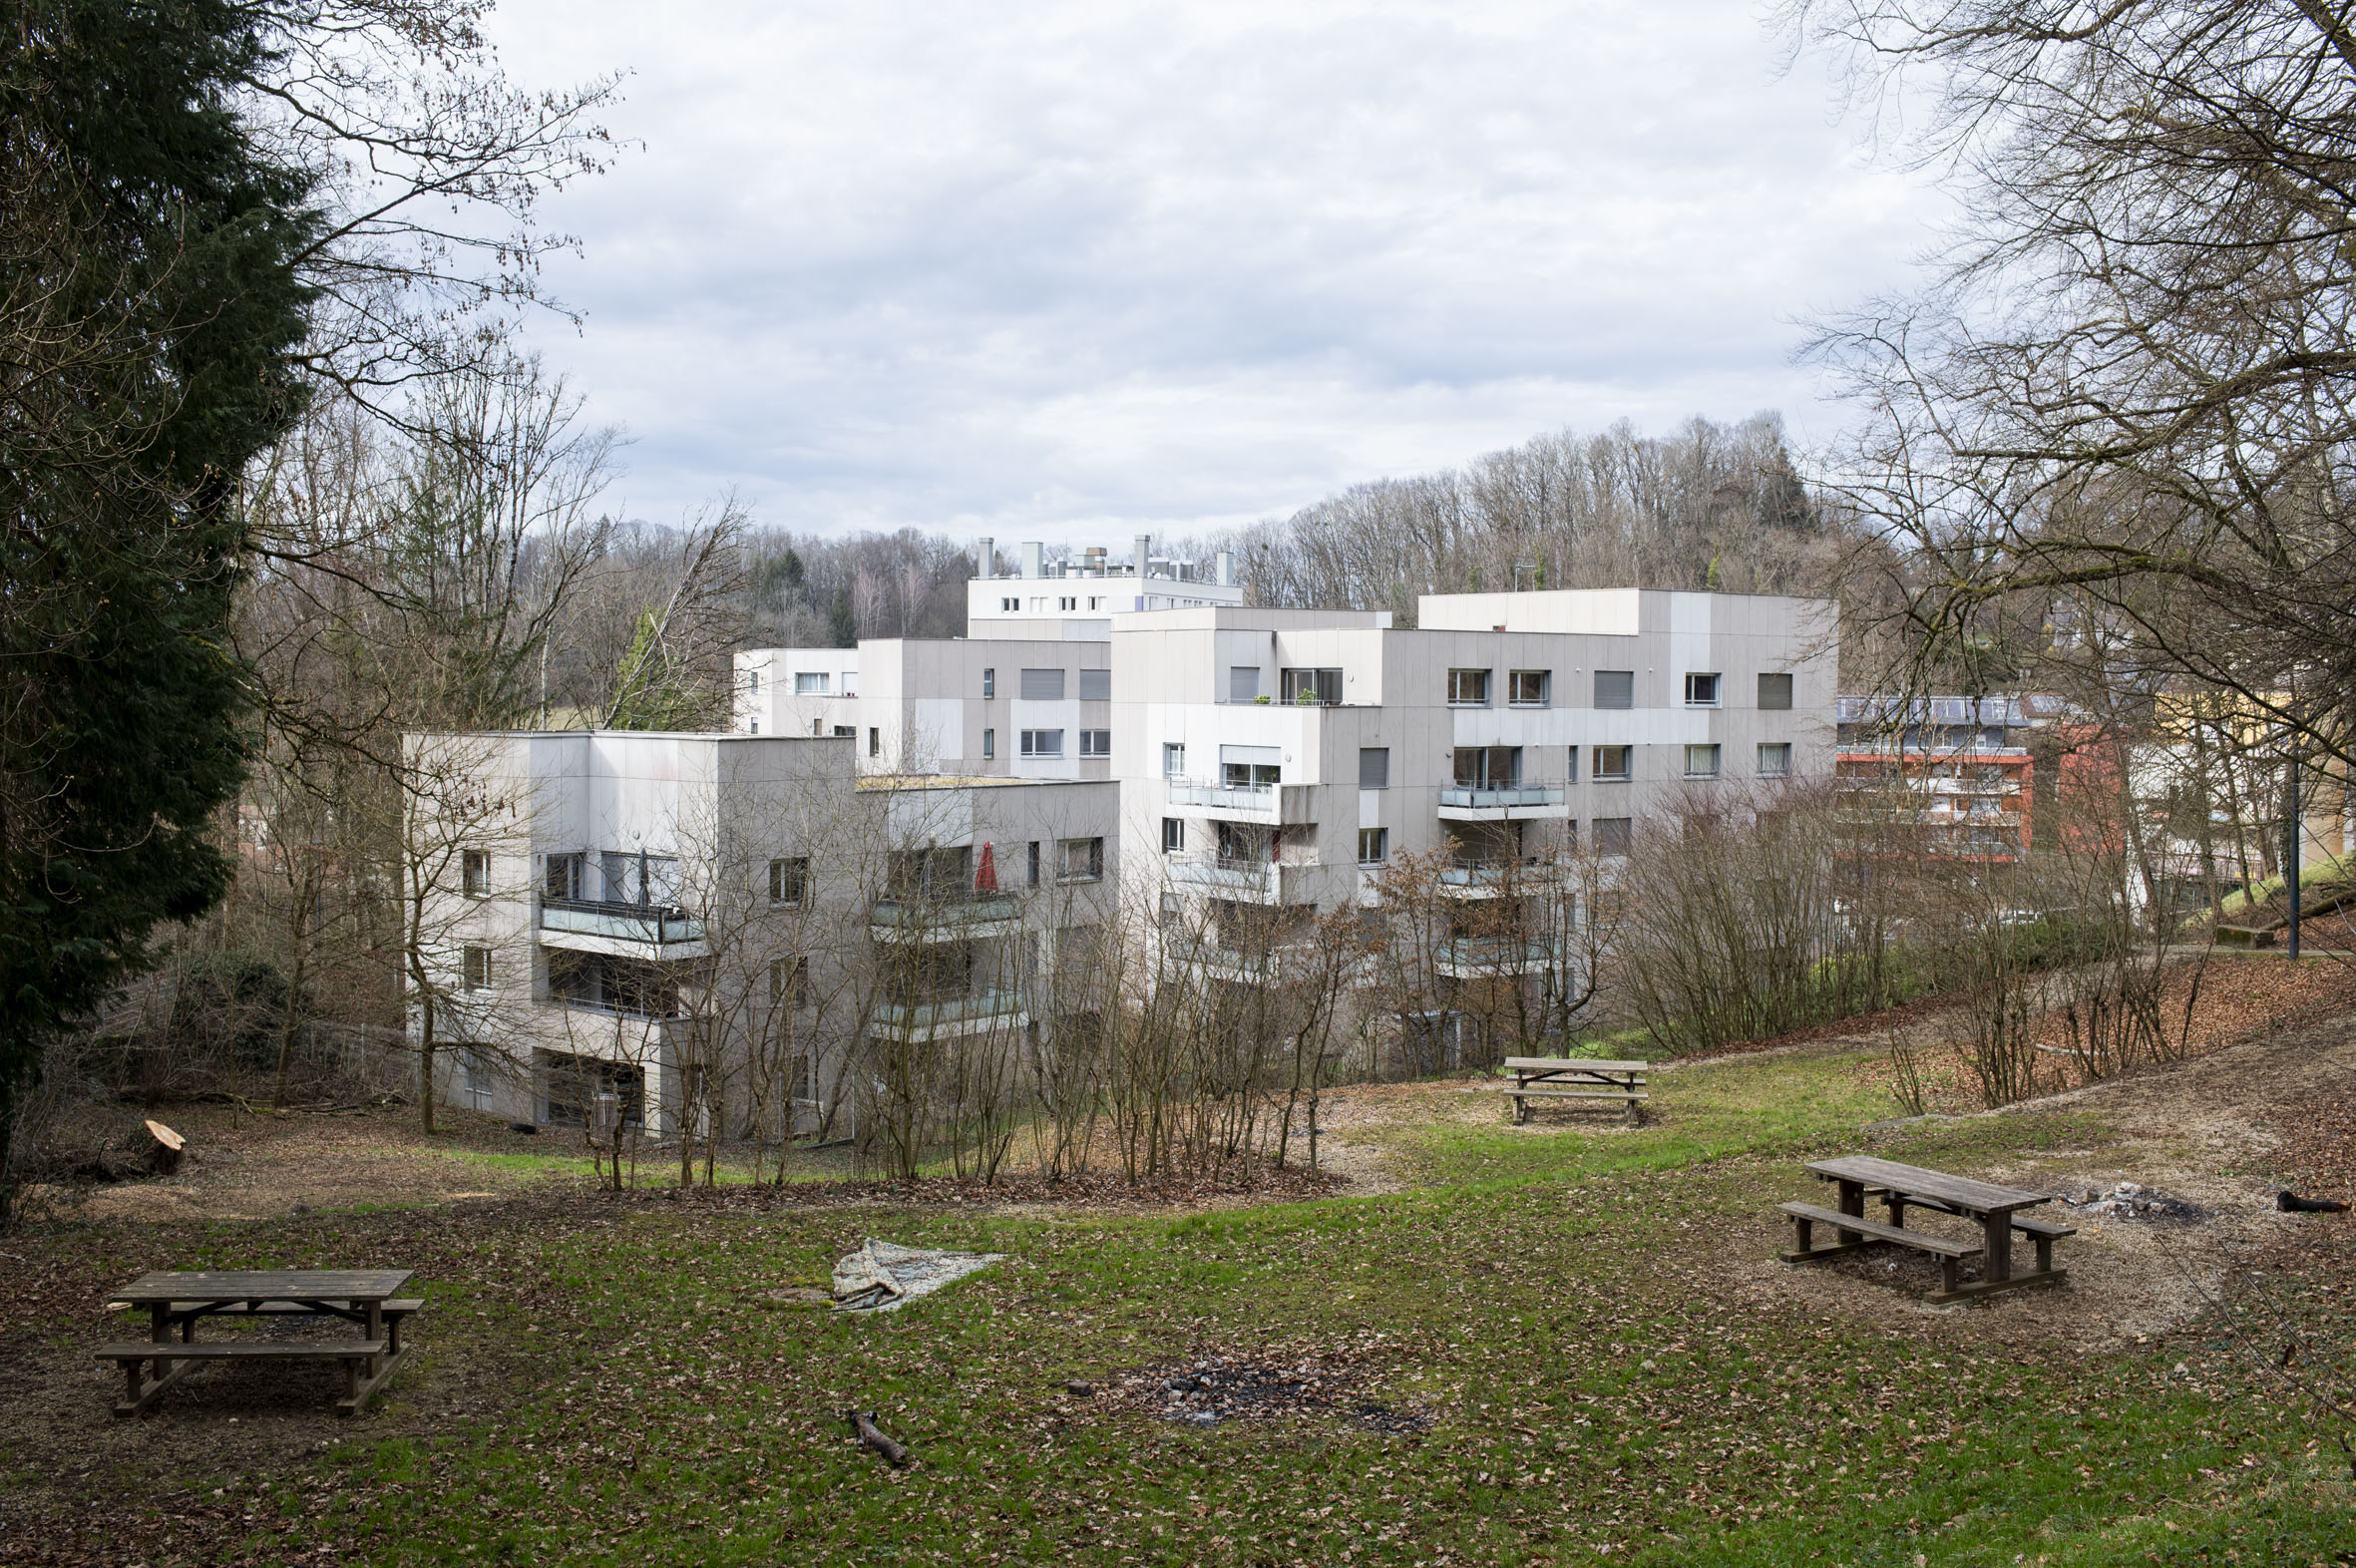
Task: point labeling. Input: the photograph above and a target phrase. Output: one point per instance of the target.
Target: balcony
(610, 926)
(954, 916)
(1485, 879)
(1478, 958)
(950, 1016)
(1272, 803)
(1251, 881)
(1502, 802)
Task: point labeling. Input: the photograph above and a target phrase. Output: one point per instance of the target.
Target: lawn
(1552, 1347)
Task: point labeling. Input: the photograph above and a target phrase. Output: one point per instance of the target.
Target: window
(1173, 912)
(752, 681)
(1614, 764)
(1468, 688)
(1701, 692)
(1010, 606)
(1067, 602)
(565, 873)
(1374, 846)
(753, 727)
(1095, 685)
(1529, 688)
(1079, 860)
(1173, 835)
(478, 969)
(843, 731)
(789, 983)
(789, 879)
(1775, 692)
(1042, 685)
(1173, 760)
(990, 682)
(1700, 762)
(1310, 686)
(1613, 834)
(810, 683)
(1034, 863)
(1615, 688)
(1572, 775)
(1095, 742)
(989, 744)
(1043, 744)
(1373, 767)
(1488, 767)
(475, 1081)
(1774, 759)
(1243, 682)
(475, 873)
(874, 741)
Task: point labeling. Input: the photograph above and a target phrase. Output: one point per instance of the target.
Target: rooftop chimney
(1144, 559)
(1033, 559)
(1226, 568)
(985, 558)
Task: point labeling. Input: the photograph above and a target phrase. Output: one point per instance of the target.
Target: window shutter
(1615, 688)
(1095, 685)
(1042, 685)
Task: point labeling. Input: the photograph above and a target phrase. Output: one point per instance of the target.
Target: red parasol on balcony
(986, 875)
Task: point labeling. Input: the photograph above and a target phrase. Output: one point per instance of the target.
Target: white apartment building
(1276, 760)
(632, 914)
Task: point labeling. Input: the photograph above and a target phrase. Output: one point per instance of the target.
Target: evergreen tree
(839, 624)
(150, 314)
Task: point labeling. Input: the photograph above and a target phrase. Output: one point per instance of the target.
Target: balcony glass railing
(1497, 873)
(1502, 955)
(1222, 797)
(1491, 796)
(979, 1008)
(956, 907)
(649, 923)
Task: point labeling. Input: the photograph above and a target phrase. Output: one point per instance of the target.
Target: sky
(1076, 272)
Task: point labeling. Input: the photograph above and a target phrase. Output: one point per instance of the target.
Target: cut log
(864, 1423)
(164, 1157)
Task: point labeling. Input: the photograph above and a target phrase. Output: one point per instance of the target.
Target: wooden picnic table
(366, 1297)
(1996, 1210)
(1574, 1079)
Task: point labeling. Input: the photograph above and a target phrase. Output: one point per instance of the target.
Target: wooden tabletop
(1979, 1197)
(272, 1285)
(1570, 1064)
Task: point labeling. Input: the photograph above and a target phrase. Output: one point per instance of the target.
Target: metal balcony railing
(656, 924)
(1490, 797)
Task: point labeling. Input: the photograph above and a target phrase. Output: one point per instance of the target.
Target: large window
(1095, 742)
(1529, 688)
(1701, 692)
(1311, 685)
(1095, 685)
(1488, 767)
(1079, 860)
(1700, 762)
(1042, 685)
(1043, 744)
(1774, 759)
(478, 969)
(1613, 835)
(1615, 688)
(1243, 684)
(476, 874)
(1374, 846)
(1173, 760)
(810, 683)
(1775, 692)
(1614, 764)
(1468, 688)
(789, 879)
(566, 872)
(1373, 767)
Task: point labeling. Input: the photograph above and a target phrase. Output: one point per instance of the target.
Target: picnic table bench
(1572, 1078)
(368, 1298)
(1901, 1187)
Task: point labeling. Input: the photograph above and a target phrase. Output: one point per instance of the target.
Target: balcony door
(1488, 767)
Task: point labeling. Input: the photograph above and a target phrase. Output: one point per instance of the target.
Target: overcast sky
(1069, 271)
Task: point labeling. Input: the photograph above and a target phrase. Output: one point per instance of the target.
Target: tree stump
(164, 1157)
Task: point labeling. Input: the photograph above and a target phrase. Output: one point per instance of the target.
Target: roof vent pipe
(985, 560)
(1144, 557)
(1226, 568)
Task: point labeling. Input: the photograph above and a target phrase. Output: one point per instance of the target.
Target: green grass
(1566, 1309)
